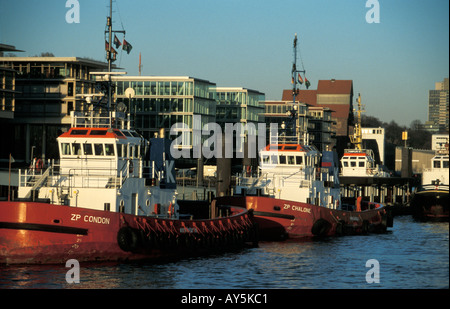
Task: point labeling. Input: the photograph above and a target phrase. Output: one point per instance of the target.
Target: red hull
(41, 233)
(278, 219)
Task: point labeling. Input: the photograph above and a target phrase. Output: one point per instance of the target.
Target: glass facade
(239, 105)
(161, 102)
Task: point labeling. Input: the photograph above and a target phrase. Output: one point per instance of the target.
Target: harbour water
(412, 255)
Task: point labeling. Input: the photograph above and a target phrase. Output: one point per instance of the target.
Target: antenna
(140, 65)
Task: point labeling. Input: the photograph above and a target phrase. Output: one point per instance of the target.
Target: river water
(412, 255)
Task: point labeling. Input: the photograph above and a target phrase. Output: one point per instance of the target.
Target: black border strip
(273, 214)
(43, 228)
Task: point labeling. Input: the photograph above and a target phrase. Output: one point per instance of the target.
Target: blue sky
(248, 43)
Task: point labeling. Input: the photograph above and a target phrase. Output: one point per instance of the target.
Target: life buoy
(39, 165)
(170, 211)
(127, 239)
(358, 203)
(320, 227)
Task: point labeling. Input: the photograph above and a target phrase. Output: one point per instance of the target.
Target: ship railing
(301, 177)
(74, 177)
(90, 119)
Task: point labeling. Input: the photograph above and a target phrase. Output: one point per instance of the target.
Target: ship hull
(42, 233)
(430, 205)
(279, 219)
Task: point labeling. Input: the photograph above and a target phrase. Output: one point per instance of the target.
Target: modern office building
(159, 102)
(7, 85)
(236, 104)
(46, 91)
(438, 115)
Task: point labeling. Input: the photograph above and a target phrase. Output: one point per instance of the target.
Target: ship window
(290, 147)
(109, 149)
(353, 163)
(119, 150)
(345, 163)
(118, 133)
(282, 159)
(437, 164)
(265, 159)
(87, 149)
(98, 148)
(78, 132)
(76, 149)
(298, 160)
(98, 132)
(291, 160)
(445, 164)
(274, 159)
(361, 163)
(65, 149)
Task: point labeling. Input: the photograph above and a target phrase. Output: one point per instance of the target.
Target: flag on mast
(116, 41)
(126, 46)
(307, 83)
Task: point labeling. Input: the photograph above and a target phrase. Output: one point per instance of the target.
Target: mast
(296, 111)
(108, 52)
(356, 138)
(110, 57)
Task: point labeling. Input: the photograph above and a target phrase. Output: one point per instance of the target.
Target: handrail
(39, 181)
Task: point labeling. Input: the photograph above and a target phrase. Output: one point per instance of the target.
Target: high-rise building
(46, 90)
(438, 106)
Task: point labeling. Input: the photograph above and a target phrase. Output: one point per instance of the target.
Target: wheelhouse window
(353, 163)
(437, 164)
(76, 149)
(65, 149)
(291, 160)
(298, 160)
(361, 163)
(445, 164)
(282, 159)
(265, 159)
(87, 148)
(109, 149)
(98, 148)
(274, 159)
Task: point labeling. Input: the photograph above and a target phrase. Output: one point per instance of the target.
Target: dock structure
(386, 190)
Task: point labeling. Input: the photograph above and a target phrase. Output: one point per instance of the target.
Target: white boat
(359, 162)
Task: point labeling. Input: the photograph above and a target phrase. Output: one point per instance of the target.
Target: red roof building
(334, 94)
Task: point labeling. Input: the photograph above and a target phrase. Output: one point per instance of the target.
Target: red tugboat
(296, 192)
(100, 203)
(111, 197)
